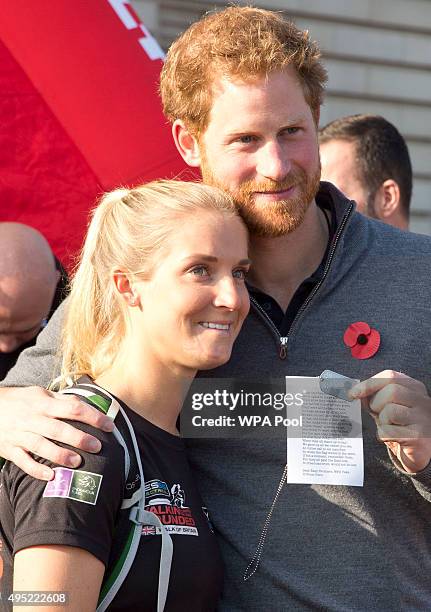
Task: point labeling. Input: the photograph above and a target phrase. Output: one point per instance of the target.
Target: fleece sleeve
(38, 365)
(420, 480)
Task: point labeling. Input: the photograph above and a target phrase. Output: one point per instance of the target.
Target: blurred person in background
(366, 157)
(32, 285)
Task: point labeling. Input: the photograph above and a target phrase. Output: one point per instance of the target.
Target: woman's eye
(240, 273)
(199, 271)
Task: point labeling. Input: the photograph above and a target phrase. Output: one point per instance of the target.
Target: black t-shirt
(79, 508)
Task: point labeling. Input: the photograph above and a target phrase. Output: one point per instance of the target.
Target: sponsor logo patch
(157, 492)
(74, 484)
(169, 504)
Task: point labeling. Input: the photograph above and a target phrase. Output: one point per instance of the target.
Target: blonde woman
(159, 294)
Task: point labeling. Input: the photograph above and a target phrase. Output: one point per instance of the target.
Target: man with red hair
(242, 89)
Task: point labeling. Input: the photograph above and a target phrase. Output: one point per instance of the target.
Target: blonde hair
(127, 231)
(240, 42)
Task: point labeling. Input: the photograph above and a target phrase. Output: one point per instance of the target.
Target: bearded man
(242, 89)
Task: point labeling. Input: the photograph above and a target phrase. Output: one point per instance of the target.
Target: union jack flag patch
(148, 531)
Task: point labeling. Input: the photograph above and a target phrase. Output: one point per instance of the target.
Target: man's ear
(387, 200)
(186, 144)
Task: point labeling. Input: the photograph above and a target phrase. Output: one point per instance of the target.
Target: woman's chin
(214, 360)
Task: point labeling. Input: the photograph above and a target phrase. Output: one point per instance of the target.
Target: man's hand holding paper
(401, 407)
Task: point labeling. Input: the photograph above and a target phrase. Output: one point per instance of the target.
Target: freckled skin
(265, 153)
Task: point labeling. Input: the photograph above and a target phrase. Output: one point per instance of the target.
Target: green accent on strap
(100, 402)
(2, 462)
(106, 586)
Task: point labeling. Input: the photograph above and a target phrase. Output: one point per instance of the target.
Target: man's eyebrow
(246, 131)
(238, 133)
(292, 123)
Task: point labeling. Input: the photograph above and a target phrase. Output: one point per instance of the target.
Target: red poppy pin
(362, 340)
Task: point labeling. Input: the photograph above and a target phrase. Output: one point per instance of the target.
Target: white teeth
(215, 326)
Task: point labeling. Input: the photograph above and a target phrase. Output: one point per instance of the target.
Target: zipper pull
(283, 348)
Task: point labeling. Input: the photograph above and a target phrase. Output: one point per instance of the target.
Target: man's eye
(246, 139)
(291, 130)
(199, 271)
(240, 273)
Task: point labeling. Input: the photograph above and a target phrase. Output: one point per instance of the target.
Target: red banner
(80, 112)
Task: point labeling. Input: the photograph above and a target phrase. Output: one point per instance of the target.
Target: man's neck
(281, 264)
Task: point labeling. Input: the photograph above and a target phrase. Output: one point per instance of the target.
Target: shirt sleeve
(38, 365)
(77, 508)
(420, 480)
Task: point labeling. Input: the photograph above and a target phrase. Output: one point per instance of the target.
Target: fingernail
(108, 425)
(355, 391)
(47, 474)
(93, 446)
(74, 461)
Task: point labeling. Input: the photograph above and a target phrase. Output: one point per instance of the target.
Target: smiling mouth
(219, 326)
(274, 193)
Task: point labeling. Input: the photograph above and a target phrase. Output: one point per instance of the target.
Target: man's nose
(227, 294)
(273, 162)
(8, 343)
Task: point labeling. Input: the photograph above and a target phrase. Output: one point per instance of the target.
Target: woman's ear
(125, 288)
(186, 144)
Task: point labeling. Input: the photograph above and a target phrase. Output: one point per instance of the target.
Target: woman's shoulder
(109, 463)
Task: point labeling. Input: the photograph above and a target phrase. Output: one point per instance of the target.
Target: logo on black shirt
(168, 503)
